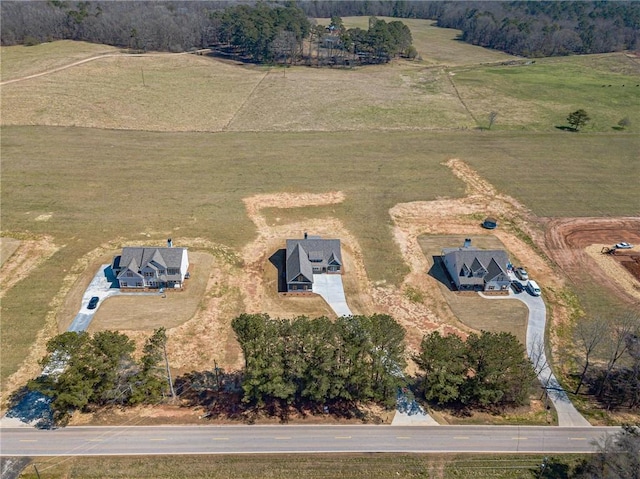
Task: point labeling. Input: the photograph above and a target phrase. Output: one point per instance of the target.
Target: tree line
(354, 359)
(486, 370)
(521, 28)
(607, 360)
(299, 363)
(84, 371)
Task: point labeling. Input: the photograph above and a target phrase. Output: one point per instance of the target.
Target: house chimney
(169, 243)
(305, 235)
(467, 243)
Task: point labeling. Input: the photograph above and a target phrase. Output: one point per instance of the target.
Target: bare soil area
(575, 244)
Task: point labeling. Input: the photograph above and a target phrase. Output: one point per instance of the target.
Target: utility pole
(166, 362)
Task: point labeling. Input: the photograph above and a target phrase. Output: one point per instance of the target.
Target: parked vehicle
(490, 223)
(624, 245)
(533, 288)
(522, 273)
(93, 302)
(517, 287)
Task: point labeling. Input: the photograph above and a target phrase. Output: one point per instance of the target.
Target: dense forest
(533, 28)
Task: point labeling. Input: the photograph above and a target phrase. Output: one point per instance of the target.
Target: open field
(539, 94)
(200, 180)
(19, 61)
(299, 466)
(436, 46)
(181, 141)
(454, 86)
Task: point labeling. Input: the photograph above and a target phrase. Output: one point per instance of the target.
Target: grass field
(8, 246)
(369, 466)
(192, 184)
(179, 141)
(19, 61)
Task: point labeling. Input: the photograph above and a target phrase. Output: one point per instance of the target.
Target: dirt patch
(615, 268)
(575, 245)
(463, 216)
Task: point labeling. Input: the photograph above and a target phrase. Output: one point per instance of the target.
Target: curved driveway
(568, 415)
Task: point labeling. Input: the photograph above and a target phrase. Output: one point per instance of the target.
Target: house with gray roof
(473, 269)
(309, 256)
(149, 267)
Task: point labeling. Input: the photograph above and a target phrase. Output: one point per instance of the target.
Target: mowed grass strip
(286, 466)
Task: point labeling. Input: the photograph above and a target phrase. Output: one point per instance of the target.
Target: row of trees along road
(486, 370)
(299, 362)
(99, 370)
(355, 359)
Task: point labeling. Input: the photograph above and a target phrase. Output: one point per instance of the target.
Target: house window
(123, 284)
(160, 271)
(129, 274)
(149, 274)
(294, 287)
(490, 288)
(139, 284)
(173, 270)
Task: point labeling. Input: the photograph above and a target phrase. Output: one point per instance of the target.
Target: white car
(624, 245)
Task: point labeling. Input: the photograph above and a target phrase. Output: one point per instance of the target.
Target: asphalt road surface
(169, 440)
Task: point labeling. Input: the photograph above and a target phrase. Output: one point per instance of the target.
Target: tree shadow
(566, 128)
(440, 273)
(278, 259)
(551, 468)
(31, 407)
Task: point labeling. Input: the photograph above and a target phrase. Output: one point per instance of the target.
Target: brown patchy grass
(155, 92)
(19, 61)
(285, 466)
(8, 246)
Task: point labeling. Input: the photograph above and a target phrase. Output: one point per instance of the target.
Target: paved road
(83, 441)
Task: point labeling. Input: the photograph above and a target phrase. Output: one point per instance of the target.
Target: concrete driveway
(329, 286)
(568, 415)
(102, 286)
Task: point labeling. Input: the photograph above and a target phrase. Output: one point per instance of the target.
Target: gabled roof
(312, 252)
(298, 264)
(494, 270)
(466, 260)
(137, 258)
